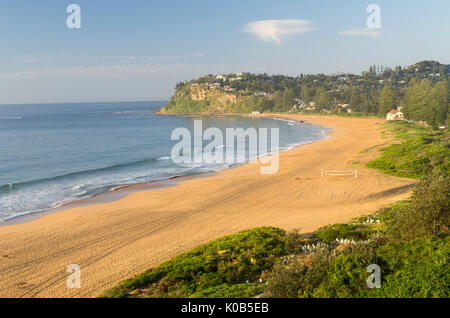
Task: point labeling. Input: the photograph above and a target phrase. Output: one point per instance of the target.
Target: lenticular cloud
(272, 30)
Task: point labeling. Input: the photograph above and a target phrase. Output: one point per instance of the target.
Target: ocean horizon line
(86, 102)
(130, 145)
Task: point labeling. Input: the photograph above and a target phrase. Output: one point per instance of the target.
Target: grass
(410, 244)
(269, 262)
(354, 232)
(370, 148)
(416, 269)
(408, 240)
(422, 151)
(237, 265)
(228, 267)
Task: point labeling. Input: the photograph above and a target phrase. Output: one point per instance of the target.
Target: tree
(428, 213)
(387, 100)
(305, 94)
(439, 104)
(355, 101)
(288, 99)
(322, 100)
(278, 101)
(366, 105)
(417, 101)
(264, 105)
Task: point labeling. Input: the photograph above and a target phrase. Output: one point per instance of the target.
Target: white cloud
(362, 32)
(272, 30)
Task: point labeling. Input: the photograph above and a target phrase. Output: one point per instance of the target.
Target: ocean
(51, 154)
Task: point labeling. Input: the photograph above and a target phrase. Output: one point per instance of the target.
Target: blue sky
(138, 50)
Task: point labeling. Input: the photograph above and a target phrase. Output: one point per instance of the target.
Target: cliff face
(203, 99)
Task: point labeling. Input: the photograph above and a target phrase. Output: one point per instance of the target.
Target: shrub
(226, 261)
(293, 242)
(330, 233)
(422, 151)
(229, 291)
(429, 211)
(342, 272)
(418, 268)
(346, 277)
(285, 279)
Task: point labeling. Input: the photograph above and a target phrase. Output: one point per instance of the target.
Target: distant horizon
(139, 51)
(168, 98)
(90, 102)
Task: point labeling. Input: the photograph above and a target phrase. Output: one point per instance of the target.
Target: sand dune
(113, 241)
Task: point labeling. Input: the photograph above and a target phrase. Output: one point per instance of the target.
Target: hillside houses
(335, 92)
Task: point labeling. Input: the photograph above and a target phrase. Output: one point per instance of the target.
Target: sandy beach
(115, 240)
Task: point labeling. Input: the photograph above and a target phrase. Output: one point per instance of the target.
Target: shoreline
(112, 195)
(122, 191)
(116, 240)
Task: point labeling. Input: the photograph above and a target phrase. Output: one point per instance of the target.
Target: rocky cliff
(195, 98)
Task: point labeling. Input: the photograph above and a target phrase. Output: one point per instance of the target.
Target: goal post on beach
(326, 172)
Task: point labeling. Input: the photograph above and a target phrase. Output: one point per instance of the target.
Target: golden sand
(116, 240)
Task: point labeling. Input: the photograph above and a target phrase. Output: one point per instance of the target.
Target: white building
(395, 114)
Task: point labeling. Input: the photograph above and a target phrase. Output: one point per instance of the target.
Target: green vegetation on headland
(421, 90)
(409, 241)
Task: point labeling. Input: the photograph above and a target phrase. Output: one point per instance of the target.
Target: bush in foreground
(418, 268)
(428, 214)
(354, 232)
(210, 268)
(410, 244)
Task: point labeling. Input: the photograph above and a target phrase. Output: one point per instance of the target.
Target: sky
(138, 50)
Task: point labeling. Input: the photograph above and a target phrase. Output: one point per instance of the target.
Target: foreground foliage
(428, 213)
(212, 269)
(411, 244)
(409, 241)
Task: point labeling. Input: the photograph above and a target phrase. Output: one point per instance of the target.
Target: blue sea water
(56, 153)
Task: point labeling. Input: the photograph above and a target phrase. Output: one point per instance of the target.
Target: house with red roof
(395, 114)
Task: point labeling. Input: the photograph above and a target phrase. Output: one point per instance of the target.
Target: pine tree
(305, 94)
(321, 99)
(407, 107)
(365, 102)
(387, 100)
(288, 99)
(278, 101)
(439, 103)
(355, 101)
(417, 101)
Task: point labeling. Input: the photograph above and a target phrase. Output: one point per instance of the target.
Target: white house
(395, 114)
(311, 107)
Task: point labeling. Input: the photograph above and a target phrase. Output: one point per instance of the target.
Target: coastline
(112, 195)
(144, 228)
(121, 191)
